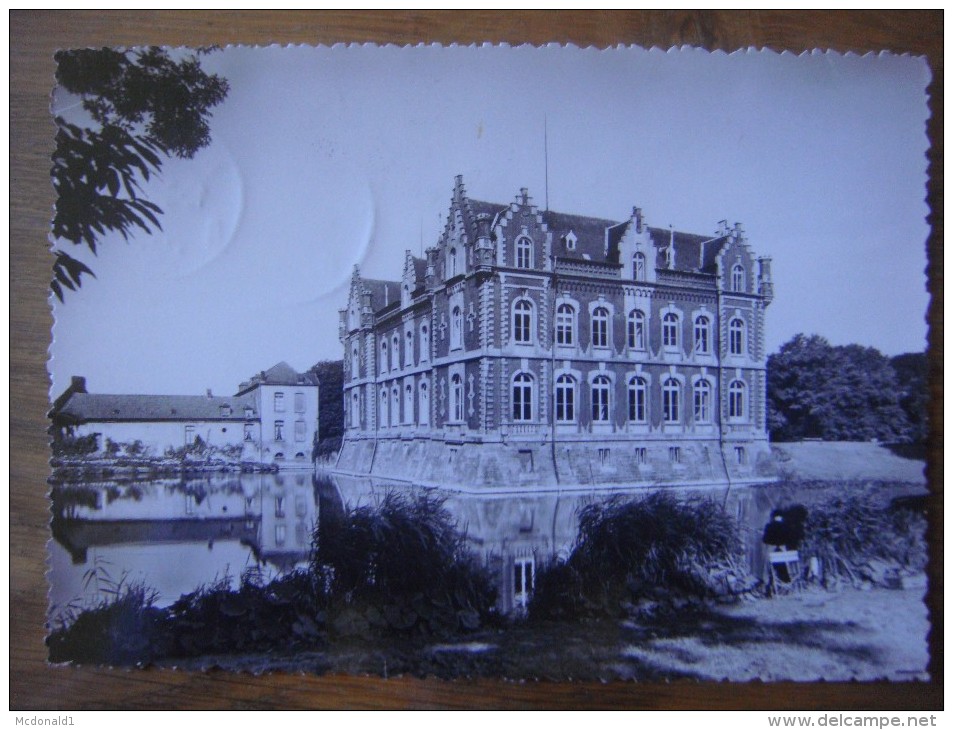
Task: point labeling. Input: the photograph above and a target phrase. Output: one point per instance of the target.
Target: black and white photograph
(515, 362)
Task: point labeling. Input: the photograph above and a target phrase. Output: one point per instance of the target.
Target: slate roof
(81, 407)
(689, 249)
(280, 374)
(383, 293)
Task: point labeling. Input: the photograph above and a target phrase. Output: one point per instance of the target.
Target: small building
(536, 348)
(272, 419)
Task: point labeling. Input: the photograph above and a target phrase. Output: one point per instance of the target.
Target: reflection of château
(536, 348)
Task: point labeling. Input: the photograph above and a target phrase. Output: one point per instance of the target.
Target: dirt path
(836, 636)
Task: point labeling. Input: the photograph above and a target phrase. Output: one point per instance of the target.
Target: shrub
(656, 547)
(400, 567)
(121, 629)
(76, 445)
(851, 534)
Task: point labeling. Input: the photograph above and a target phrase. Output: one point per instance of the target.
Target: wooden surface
(35, 35)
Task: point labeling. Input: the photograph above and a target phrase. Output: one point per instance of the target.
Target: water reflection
(175, 535)
(516, 534)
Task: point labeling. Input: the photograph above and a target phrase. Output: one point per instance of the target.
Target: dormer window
(524, 253)
(570, 240)
(451, 263)
(738, 278)
(638, 266)
(226, 411)
(249, 411)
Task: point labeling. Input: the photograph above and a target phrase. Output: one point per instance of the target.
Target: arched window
(395, 352)
(394, 406)
(456, 398)
(565, 399)
(736, 336)
(670, 331)
(702, 402)
(638, 399)
(424, 415)
(424, 343)
(382, 414)
(355, 363)
(565, 324)
(522, 322)
(409, 348)
(738, 278)
(600, 327)
(524, 253)
(670, 397)
(355, 409)
(702, 335)
(456, 328)
(408, 403)
(451, 263)
(600, 399)
(736, 399)
(523, 397)
(636, 330)
(638, 266)
(383, 356)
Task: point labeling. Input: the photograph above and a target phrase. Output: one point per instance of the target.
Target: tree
(143, 105)
(850, 393)
(330, 406)
(912, 372)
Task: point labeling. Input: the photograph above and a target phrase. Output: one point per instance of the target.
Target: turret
(765, 285)
(485, 250)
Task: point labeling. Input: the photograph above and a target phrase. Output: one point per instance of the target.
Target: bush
(657, 547)
(400, 567)
(853, 536)
(121, 629)
(76, 445)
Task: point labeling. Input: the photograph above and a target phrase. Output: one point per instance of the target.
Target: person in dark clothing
(785, 531)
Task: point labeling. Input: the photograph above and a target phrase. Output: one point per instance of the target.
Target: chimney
(524, 196)
(637, 217)
(77, 384)
(208, 393)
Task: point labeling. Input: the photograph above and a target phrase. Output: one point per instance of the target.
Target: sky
(323, 158)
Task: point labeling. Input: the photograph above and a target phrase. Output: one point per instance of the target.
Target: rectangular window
(523, 581)
(279, 506)
(281, 532)
(249, 433)
(279, 402)
(741, 456)
(279, 430)
(189, 435)
(300, 430)
(675, 454)
(640, 455)
(299, 402)
(603, 456)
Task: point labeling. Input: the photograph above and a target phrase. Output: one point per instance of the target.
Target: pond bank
(840, 635)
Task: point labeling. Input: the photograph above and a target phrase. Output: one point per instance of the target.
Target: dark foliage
(855, 537)
(846, 393)
(400, 567)
(912, 371)
(75, 445)
(330, 407)
(145, 105)
(656, 547)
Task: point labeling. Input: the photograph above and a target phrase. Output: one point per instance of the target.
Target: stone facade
(535, 348)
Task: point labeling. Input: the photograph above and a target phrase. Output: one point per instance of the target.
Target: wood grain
(35, 35)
